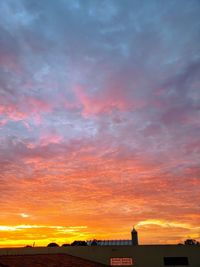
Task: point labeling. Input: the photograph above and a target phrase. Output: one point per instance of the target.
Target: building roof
(111, 242)
(50, 260)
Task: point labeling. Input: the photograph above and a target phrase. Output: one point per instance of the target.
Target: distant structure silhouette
(132, 242)
(134, 237)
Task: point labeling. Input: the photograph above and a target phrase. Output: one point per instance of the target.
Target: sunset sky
(99, 120)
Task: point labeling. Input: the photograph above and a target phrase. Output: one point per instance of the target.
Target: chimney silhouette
(134, 237)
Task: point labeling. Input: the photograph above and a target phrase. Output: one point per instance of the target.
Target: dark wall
(143, 255)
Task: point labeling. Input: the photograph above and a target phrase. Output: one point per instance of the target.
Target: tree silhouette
(52, 245)
(79, 243)
(191, 242)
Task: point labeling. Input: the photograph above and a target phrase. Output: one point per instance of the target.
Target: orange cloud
(93, 188)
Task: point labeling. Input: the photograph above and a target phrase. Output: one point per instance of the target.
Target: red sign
(121, 261)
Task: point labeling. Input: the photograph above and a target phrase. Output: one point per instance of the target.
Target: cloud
(165, 224)
(99, 104)
(99, 116)
(24, 215)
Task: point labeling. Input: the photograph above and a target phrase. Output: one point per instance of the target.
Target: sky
(99, 120)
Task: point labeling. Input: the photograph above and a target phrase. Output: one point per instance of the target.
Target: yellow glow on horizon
(150, 231)
(27, 234)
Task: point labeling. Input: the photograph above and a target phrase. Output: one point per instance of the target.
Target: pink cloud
(50, 138)
(37, 104)
(99, 103)
(3, 122)
(26, 107)
(12, 112)
(111, 97)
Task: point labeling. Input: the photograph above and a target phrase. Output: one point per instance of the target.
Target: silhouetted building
(110, 243)
(133, 241)
(134, 237)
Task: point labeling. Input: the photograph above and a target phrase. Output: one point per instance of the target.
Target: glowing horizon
(99, 121)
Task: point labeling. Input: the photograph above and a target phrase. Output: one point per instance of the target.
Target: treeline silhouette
(75, 243)
(191, 242)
